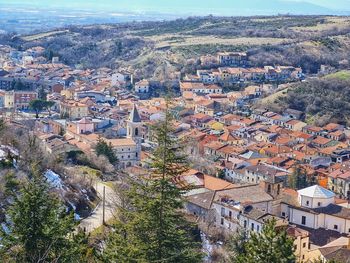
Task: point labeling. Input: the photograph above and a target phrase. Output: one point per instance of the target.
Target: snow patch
(5, 228)
(72, 206)
(77, 217)
(207, 247)
(53, 179)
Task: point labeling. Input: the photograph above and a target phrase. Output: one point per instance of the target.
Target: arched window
(136, 131)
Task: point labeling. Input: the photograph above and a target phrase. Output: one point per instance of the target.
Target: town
(248, 164)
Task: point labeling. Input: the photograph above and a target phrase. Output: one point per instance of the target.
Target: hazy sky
(202, 6)
(334, 4)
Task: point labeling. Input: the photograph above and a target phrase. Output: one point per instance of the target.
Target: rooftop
(134, 115)
(316, 191)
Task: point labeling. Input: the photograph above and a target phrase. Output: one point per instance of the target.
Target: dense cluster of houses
(231, 75)
(242, 164)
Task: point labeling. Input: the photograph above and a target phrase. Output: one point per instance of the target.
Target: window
(319, 203)
(269, 188)
(222, 211)
(252, 227)
(257, 228)
(222, 221)
(245, 223)
(335, 227)
(303, 220)
(304, 244)
(283, 214)
(230, 214)
(295, 247)
(307, 203)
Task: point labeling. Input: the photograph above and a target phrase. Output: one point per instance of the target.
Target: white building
(207, 76)
(121, 78)
(242, 207)
(126, 150)
(142, 87)
(315, 208)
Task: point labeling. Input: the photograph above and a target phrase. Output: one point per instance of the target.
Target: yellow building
(73, 109)
(301, 243)
(216, 126)
(68, 93)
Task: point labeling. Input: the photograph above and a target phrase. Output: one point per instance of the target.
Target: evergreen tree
(2, 126)
(152, 229)
(292, 180)
(270, 245)
(42, 93)
(11, 184)
(38, 229)
(298, 179)
(236, 244)
(37, 106)
(19, 85)
(103, 148)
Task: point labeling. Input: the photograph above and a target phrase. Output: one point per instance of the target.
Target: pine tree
(37, 106)
(270, 245)
(153, 229)
(38, 229)
(236, 244)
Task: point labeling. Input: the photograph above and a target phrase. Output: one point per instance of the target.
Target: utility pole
(103, 205)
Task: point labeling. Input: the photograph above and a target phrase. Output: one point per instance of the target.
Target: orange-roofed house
(295, 125)
(313, 130)
(321, 142)
(332, 127)
(216, 184)
(211, 148)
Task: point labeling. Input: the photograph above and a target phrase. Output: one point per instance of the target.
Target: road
(95, 220)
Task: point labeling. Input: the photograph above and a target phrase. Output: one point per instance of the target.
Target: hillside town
(248, 164)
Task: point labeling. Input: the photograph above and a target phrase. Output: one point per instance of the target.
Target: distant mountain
(184, 7)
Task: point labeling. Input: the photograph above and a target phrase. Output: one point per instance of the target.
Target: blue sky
(193, 6)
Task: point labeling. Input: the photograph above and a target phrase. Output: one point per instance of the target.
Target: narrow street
(95, 220)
